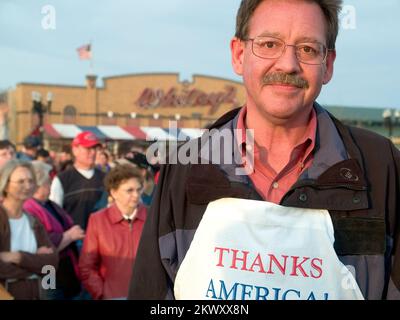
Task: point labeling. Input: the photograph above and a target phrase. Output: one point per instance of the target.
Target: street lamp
(397, 117)
(49, 101)
(387, 120)
(40, 109)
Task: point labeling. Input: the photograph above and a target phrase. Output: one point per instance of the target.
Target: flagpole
(91, 70)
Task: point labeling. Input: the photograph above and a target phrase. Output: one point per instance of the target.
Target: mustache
(285, 78)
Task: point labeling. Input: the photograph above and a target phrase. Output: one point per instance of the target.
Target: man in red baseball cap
(84, 150)
(86, 139)
(79, 188)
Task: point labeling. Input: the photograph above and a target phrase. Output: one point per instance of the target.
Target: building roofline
(176, 74)
(105, 79)
(49, 85)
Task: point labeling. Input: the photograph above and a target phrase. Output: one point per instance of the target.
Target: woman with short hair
(24, 245)
(62, 232)
(113, 235)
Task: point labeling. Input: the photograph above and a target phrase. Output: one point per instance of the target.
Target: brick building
(134, 100)
(124, 104)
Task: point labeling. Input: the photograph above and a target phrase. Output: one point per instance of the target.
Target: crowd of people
(315, 217)
(80, 210)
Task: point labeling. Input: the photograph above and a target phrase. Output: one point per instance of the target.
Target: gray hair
(330, 8)
(7, 170)
(42, 172)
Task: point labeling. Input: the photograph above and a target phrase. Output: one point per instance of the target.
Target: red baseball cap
(86, 139)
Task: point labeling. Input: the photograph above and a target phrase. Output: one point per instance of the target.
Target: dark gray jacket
(354, 175)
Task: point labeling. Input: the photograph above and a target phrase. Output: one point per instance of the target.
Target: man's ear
(74, 150)
(237, 53)
(329, 63)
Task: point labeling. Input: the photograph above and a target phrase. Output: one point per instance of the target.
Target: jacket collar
(337, 164)
(115, 215)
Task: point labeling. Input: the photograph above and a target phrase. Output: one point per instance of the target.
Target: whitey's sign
(174, 98)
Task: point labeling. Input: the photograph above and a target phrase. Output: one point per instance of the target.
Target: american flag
(85, 52)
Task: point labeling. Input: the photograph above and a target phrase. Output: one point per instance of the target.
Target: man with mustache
(317, 214)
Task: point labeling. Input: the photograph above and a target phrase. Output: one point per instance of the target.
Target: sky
(185, 37)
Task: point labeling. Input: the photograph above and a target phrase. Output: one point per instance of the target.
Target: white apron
(256, 250)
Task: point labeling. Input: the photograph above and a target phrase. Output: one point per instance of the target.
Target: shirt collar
(130, 216)
(307, 141)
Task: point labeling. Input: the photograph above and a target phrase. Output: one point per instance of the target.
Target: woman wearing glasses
(113, 235)
(24, 245)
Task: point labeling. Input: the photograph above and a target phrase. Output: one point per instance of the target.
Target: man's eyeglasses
(264, 47)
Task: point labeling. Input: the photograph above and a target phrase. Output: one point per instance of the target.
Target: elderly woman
(61, 231)
(24, 245)
(113, 235)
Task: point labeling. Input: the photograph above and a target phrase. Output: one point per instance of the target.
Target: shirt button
(275, 185)
(249, 147)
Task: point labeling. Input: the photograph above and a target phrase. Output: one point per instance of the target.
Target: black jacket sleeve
(150, 280)
(393, 291)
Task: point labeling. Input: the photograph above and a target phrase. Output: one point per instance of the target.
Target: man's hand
(10, 257)
(44, 250)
